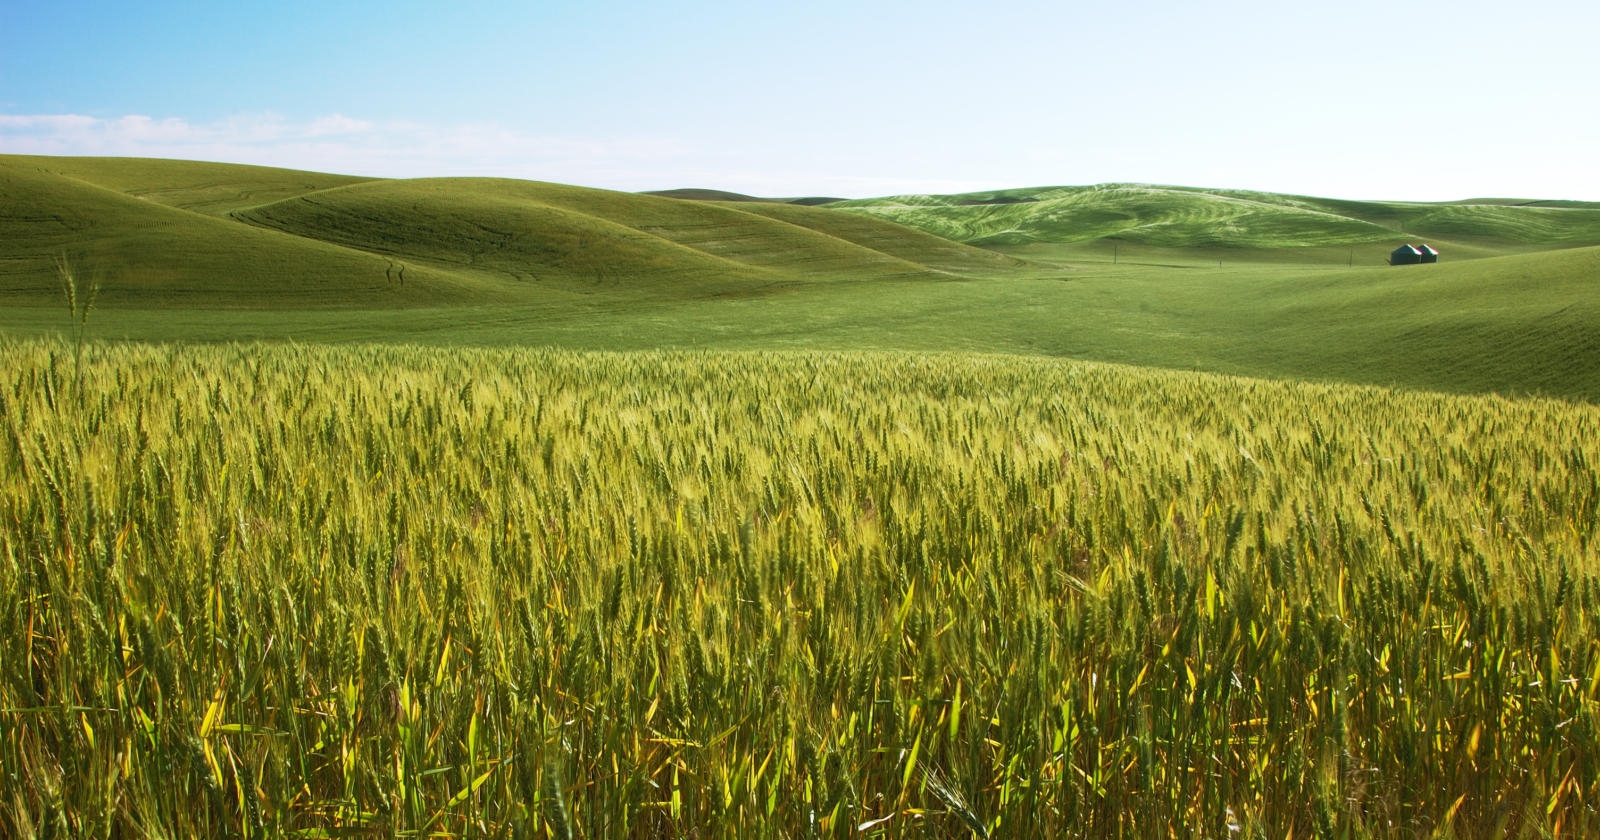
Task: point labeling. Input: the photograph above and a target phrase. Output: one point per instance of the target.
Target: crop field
(275, 590)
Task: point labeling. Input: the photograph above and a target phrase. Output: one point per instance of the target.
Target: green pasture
(1250, 283)
(1237, 223)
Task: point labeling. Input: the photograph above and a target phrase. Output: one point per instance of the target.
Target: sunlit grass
(269, 591)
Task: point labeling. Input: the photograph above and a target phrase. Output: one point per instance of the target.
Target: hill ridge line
(915, 267)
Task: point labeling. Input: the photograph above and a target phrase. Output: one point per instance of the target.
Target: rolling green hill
(215, 189)
(152, 251)
(1243, 283)
(550, 234)
(1240, 221)
(700, 194)
(223, 235)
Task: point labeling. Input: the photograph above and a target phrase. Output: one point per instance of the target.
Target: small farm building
(1428, 254)
(1405, 255)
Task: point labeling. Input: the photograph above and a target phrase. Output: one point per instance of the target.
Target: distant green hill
(698, 194)
(202, 234)
(1525, 323)
(1180, 217)
(547, 233)
(214, 189)
(160, 230)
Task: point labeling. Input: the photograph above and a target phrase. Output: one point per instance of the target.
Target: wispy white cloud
(339, 143)
(405, 149)
(337, 124)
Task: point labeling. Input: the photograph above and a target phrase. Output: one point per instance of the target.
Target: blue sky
(1397, 100)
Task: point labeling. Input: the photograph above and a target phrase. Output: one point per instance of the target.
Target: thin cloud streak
(338, 143)
(399, 149)
(334, 143)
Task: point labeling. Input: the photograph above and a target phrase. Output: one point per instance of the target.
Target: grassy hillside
(570, 237)
(149, 253)
(497, 230)
(215, 189)
(1178, 217)
(1514, 325)
(700, 194)
(212, 252)
(886, 237)
(1148, 215)
(192, 234)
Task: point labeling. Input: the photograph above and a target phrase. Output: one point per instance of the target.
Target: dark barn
(1405, 255)
(1428, 254)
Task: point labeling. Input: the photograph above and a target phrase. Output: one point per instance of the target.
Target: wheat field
(268, 590)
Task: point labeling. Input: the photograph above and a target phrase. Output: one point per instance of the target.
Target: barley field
(279, 591)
